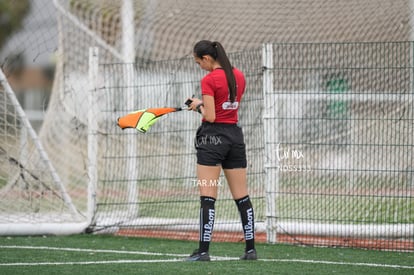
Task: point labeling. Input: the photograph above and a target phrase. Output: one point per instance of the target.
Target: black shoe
(249, 255)
(197, 256)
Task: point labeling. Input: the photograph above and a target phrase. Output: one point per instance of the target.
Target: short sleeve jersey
(215, 84)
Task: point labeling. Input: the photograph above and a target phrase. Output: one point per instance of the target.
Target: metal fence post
(270, 142)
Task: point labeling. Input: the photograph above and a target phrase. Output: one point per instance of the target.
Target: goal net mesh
(31, 191)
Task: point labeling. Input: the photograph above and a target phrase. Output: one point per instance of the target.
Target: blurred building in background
(28, 63)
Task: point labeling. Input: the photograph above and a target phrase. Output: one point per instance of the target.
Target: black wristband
(198, 107)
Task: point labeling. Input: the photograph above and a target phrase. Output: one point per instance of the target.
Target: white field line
(338, 263)
(110, 251)
(90, 262)
(168, 260)
(92, 250)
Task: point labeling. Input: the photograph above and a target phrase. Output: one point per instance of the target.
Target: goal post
(92, 133)
(128, 52)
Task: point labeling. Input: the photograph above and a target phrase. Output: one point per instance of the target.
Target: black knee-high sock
(207, 215)
(247, 218)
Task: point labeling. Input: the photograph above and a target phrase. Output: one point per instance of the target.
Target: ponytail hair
(217, 52)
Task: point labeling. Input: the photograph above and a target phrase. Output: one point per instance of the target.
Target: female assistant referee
(220, 144)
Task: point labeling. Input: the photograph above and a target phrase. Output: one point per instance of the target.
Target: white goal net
(33, 199)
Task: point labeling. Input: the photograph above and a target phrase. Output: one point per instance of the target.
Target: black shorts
(220, 144)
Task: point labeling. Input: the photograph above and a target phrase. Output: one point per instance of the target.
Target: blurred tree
(12, 13)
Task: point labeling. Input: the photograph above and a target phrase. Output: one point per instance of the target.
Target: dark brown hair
(217, 52)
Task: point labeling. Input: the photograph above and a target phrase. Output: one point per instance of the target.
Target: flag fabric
(142, 120)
